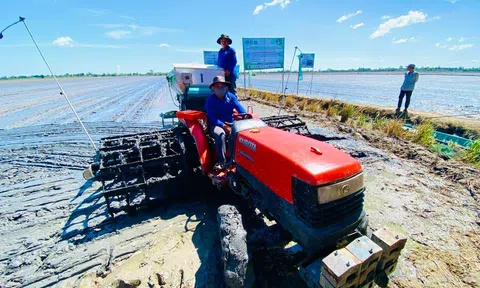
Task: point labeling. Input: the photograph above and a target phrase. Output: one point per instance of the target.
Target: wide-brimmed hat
(219, 79)
(226, 37)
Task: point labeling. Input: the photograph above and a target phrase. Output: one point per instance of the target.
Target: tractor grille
(321, 215)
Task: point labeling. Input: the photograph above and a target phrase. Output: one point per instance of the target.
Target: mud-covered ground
(55, 230)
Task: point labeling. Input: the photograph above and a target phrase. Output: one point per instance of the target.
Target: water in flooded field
(451, 95)
(142, 99)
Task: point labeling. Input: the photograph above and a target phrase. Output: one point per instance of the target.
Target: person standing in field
(227, 59)
(411, 77)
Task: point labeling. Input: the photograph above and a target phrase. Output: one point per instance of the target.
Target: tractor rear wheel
(233, 240)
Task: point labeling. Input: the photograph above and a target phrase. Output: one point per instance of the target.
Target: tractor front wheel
(233, 240)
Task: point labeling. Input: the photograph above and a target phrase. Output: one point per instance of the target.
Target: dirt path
(56, 232)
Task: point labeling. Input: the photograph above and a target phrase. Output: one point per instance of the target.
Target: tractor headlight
(332, 192)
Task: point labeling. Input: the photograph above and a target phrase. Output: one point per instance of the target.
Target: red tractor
(312, 190)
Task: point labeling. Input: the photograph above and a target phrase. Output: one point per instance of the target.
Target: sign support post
(311, 82)
(245, 81)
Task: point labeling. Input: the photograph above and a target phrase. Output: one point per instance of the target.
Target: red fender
(190, 119)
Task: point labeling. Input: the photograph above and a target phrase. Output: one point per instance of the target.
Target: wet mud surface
(55, 229)
(407, 191)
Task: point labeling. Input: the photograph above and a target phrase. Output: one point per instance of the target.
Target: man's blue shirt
(221, 110)
(409, 81)
(227, 59)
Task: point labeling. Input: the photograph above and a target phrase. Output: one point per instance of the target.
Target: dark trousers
(220, 147)
(400, 99)
(233, 86)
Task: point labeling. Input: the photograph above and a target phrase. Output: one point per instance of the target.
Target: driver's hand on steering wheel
(227, 129)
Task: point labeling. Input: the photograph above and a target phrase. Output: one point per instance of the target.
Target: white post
(311, 83)
(298, 82)
(245, 81)
(283, 77)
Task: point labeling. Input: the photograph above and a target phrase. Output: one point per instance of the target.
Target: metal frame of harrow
(290, 123)
(141, 163)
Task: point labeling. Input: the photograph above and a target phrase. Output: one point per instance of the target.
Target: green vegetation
(424, 135)
(347, 112)
(472, 155)
(376, 119)
(67, 75)
(303, 104)
(290, 102)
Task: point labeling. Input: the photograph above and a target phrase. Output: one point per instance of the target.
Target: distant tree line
(329, 70)
(390, 69)
(401, 68)
(68, 75)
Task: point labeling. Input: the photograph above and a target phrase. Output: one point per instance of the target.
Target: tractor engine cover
(311, 188)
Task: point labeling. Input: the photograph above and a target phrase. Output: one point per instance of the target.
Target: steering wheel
(242, 116)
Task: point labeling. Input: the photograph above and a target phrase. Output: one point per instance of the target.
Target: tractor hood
(275, 157)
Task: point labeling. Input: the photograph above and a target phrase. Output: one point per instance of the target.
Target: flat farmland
(117, 99)
(56, 232)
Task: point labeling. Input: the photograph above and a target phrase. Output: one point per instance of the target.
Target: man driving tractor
(219, 109)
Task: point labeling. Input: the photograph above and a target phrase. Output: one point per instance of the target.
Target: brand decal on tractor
(248, 144)
(246, 155)
(345, 189)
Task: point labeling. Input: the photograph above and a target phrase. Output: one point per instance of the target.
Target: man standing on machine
(219, 109)
(227, 59)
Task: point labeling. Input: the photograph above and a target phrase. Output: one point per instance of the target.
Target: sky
(137, 36)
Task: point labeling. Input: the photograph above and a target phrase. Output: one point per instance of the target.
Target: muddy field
(55, 230)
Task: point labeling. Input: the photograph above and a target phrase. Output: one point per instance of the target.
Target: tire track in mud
(140, 106)
(96, 107)
(156, 95)
(41, 109)
(53, 97)
(44, 117)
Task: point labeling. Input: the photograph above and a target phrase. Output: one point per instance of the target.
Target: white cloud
(345, 17)
(453, 1)
(441, 46)
(404, 40)
(385, 17)
(357, 26)
(164, 45)
(413, 17)
(476, 61)
(118, 34)
(68, 41)
(282, 3)
(118, 68)
(460, 47)
(461, 40)
(449, 39)
(63, 41)
(257, 9)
